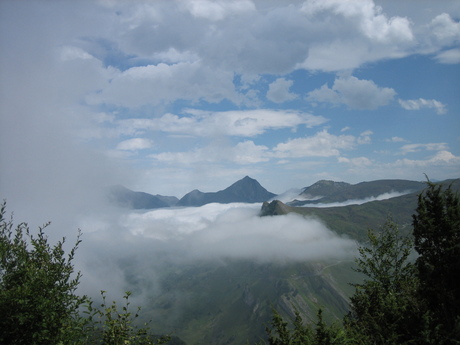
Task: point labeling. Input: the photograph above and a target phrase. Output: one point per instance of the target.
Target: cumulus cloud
(278, 91)
(322, 144)
(355, 93)
(163, 83)
(445, 29)
(366, 33)
(417, 104)
(369, 18)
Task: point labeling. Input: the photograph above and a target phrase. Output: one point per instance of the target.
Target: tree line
(401, 300)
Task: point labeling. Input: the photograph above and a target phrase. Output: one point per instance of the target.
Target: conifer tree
(436, 229)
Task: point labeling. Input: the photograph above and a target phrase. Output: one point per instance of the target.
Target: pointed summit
(245, 190)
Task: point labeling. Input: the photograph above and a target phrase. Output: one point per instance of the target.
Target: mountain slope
(355, 220)
(245, 190)
(231, 302)
(330, 191)
(125, 197)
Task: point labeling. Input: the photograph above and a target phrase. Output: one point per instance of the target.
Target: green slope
(355, 220)
(231, 302)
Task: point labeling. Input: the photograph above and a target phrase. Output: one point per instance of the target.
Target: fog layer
(134, 247)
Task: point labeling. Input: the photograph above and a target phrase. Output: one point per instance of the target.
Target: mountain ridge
(325, 191)
(245, 190)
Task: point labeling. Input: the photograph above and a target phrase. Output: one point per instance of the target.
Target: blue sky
(169, 96)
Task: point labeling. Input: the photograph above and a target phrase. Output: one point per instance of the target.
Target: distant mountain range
(125, 197)
(249, 190)
(329, 191)
(246, 190)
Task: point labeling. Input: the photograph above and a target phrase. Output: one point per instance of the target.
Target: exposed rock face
(274, 208)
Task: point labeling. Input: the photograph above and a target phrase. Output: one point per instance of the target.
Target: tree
(108, 325)
(37, 286)
(38, 300)
(382, 308)
(301, 334)
(436, 230)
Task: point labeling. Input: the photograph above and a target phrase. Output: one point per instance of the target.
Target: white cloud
(410, 148)
(417, 104)
(322, 144)
(245, 152)
(235, 231)
(244, 123)
(278, 91)
(353, 92)
(365, 137)
(135, 144)
(366, 15)
(356, 32)
(384, 196)
(356, 162)
(162, 83)
(441, 158)
(445, 29)
(218, 10)
(395, 140)
(451, 56)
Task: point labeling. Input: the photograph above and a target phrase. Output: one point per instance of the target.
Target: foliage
(109, 325)
(37, 286)
(38, 300)
(437, 240)
(303, 334)
(383, 305)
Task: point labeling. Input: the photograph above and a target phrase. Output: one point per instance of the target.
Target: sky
(170, 96)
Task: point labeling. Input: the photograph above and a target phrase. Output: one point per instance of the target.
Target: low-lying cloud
(135, 247)
(379, 197)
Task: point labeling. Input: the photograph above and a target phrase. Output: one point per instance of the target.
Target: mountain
(323, 188)
(354, 220)
(245, 190)
(125, 197)
(231, 302)
(330, 191)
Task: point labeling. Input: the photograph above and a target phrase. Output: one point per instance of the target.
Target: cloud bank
(210, 233)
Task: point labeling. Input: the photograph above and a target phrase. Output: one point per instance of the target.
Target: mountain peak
(245, 190)
(324, 188)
